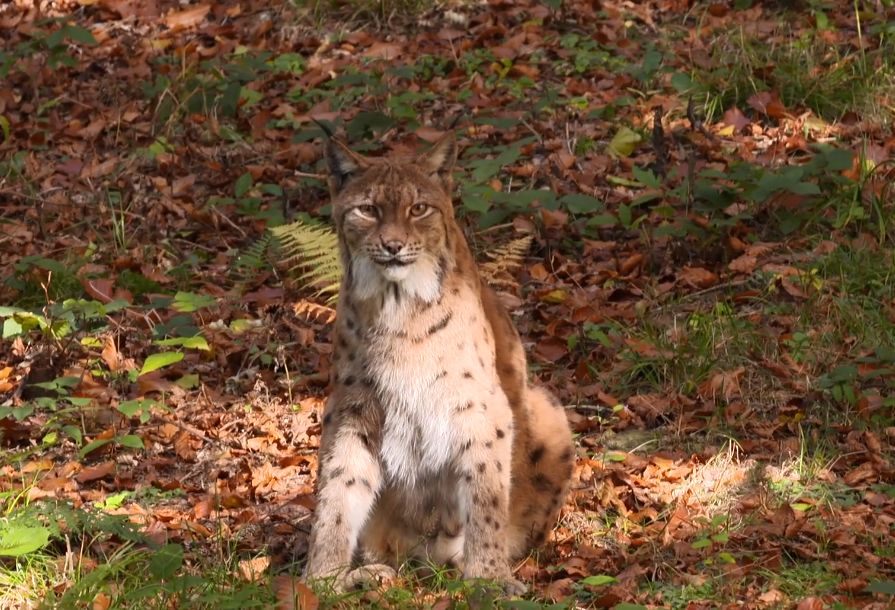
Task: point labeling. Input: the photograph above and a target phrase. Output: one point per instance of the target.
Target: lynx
(433, 445)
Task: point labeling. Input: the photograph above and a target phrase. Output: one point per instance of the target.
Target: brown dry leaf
(37, 465)
(552, 349)
(138, 9)
(697, 277)
(630, 264)
(93, 129)
(101, 602)
(93, 473)
(736, 119)
(292, 594)
(186, 445)
(187, 18)
(852, 585)
(252, 570)
(101, 289)
(767, 102)
(724, 383)
(181, 186)
(558, 590)
(743, 264)
(793, 288)
(384, 50)
(554, 219)
(863, 473)
(811, 603)
(772, 597)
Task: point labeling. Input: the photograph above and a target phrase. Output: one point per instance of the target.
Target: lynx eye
(418, 210)
(367, 211)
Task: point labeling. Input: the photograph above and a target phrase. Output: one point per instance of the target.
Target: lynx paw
(513, 587)
(372, 575)
(508, 585)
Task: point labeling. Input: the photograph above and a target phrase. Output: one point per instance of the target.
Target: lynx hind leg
(545, 471)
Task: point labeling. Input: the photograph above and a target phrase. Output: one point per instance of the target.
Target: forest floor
(710, 288)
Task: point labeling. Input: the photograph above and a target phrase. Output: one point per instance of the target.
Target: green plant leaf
(11, 328)
(243, 184)
(18, 540)
(74, 433)
(627, 606)
(197, 342)
(579, 203)
(188, 382)
(134, 407)
(886, 587)
(189, 301)
(598, 580)
(93, 446)
(131, 441)
(162, 359)
(166, 561)
(682, 82)
(646, 177)
(78, 34)
(624, 142)
(701, 543)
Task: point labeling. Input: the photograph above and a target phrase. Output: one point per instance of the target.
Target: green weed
(806, 71)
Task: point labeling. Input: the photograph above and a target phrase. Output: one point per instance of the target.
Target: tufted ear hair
(439, 160)
(343, 163)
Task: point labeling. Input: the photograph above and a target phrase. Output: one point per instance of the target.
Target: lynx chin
(434, 445)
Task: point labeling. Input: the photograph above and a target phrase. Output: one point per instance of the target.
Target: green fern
(253, 259)
(313, 249)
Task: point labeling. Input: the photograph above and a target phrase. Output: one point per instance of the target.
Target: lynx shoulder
(434, 444)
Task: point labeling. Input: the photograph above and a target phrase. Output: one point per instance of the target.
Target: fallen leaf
(187, 18)
(94, 473)
(810, 603)
(292, 594)
(697, 277)
(384, 50)
(252, 570)
(767, 102)
(743, 264)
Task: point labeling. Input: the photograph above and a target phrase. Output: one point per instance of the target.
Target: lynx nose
(392, 246)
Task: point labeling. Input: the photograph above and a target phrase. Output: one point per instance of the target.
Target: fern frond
(504, 261)
(311, 252)
(253, 259)
(314, 249)
(314, 311)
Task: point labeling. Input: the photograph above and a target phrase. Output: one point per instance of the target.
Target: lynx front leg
(485, 489)
(350, 478)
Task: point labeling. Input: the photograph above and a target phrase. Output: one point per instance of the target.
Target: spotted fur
(434, 445)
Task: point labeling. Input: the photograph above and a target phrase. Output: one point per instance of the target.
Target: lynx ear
(343, 162)
(439, 160)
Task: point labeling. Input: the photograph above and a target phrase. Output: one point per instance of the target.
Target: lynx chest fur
(434, 445)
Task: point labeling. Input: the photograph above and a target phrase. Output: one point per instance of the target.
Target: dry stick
(309, 175)
(188, 428)
(230, 222)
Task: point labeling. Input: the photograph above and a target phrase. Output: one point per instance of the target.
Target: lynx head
(393, 217)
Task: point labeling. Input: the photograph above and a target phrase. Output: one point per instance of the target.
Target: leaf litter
(151, 142)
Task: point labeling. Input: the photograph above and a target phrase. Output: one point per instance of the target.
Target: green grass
(800, 580)
(803, 68)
